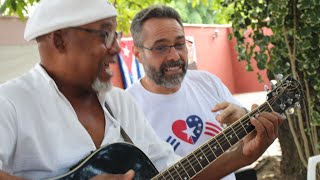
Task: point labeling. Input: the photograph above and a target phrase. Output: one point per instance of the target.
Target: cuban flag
(131, 70)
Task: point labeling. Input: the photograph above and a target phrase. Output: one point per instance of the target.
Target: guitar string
(194, 160)
(246, 118)
(184, 161)
(210, 150)
(224, 142)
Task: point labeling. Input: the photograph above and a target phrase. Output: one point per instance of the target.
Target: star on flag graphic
(190, 130)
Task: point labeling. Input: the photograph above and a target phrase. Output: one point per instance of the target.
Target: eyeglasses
(161, 50)
(107, 36)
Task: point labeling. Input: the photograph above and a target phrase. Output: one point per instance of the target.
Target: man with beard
(55, 115)
(183, 106)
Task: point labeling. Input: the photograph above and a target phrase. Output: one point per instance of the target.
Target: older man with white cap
(65, 107)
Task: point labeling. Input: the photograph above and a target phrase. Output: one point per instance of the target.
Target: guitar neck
(200, 158)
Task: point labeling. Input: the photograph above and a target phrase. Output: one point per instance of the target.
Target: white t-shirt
(184, 118)
(42, 137)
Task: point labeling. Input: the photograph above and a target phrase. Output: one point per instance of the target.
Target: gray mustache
(171, 64)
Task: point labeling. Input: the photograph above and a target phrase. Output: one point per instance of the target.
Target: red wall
(216, 54)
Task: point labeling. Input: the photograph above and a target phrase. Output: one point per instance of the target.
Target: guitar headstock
(285, 94)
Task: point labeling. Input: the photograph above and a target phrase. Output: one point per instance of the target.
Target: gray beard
(159, 77)
(101, 87)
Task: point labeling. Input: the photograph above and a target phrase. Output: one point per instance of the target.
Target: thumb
(220, 106)
(253, 106)
(129, 174)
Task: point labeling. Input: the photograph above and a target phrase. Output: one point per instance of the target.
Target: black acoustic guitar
(118, 158)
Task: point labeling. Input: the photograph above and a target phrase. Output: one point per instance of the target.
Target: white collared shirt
(42, 137)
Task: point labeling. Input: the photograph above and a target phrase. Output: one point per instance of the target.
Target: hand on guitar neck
(251, 147)
(266, 127)
(266, 131)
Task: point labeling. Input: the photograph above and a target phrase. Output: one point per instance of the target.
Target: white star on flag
(189, 132)
(126, 51)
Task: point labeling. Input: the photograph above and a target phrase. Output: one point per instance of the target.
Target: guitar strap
(123, 133)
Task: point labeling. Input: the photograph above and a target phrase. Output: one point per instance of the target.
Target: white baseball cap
(52, 15)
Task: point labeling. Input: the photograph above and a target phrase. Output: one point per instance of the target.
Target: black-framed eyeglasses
(108, 37)
(162, 50)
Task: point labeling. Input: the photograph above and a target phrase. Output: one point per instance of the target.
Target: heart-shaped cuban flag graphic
(188, 130)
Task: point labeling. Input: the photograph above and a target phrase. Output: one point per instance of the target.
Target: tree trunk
(291, 167)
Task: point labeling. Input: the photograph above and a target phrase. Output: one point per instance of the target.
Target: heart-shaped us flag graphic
(188, 130)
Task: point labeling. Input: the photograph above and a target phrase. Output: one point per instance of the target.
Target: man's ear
(59, 40)
(137, 53)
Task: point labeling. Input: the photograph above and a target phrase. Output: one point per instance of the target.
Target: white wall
(16, 59)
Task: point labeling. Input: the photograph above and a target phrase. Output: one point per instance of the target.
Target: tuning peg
(266, 88)
(297, 96)
(273, 83)
(290, 111)
(283, 116)
(282, 106)
(290, 101)
(297, 105)
(279, 77)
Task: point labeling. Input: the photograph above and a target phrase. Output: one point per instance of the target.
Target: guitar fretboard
(200, 158)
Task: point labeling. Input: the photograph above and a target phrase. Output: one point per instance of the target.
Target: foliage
(18, 7)
(295, 26)
(203, 12)
(192, 11)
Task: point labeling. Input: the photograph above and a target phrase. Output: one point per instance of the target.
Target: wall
(215, 53)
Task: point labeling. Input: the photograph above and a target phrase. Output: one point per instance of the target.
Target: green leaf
(13, 5)
(249, 67)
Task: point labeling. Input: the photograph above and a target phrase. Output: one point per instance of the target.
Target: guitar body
(116, 158)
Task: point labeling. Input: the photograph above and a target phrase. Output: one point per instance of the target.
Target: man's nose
(115, 48)
(173, 53)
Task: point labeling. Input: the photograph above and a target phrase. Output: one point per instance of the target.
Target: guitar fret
(159, 176)
(185, 171)
(204, 154)
(258, 109)
(214, 144)
(196, 164)
(167, 172)
(226, 137)
(174, 172)
(191, 171)
(212, 151)
(210, 156)
(181, 172)
(198, 157)
(270, 107)
(201, 158)
(235, 132)
(221, 141)
(232, 139)
(247, 127)
(240, 122)
(177, 167)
